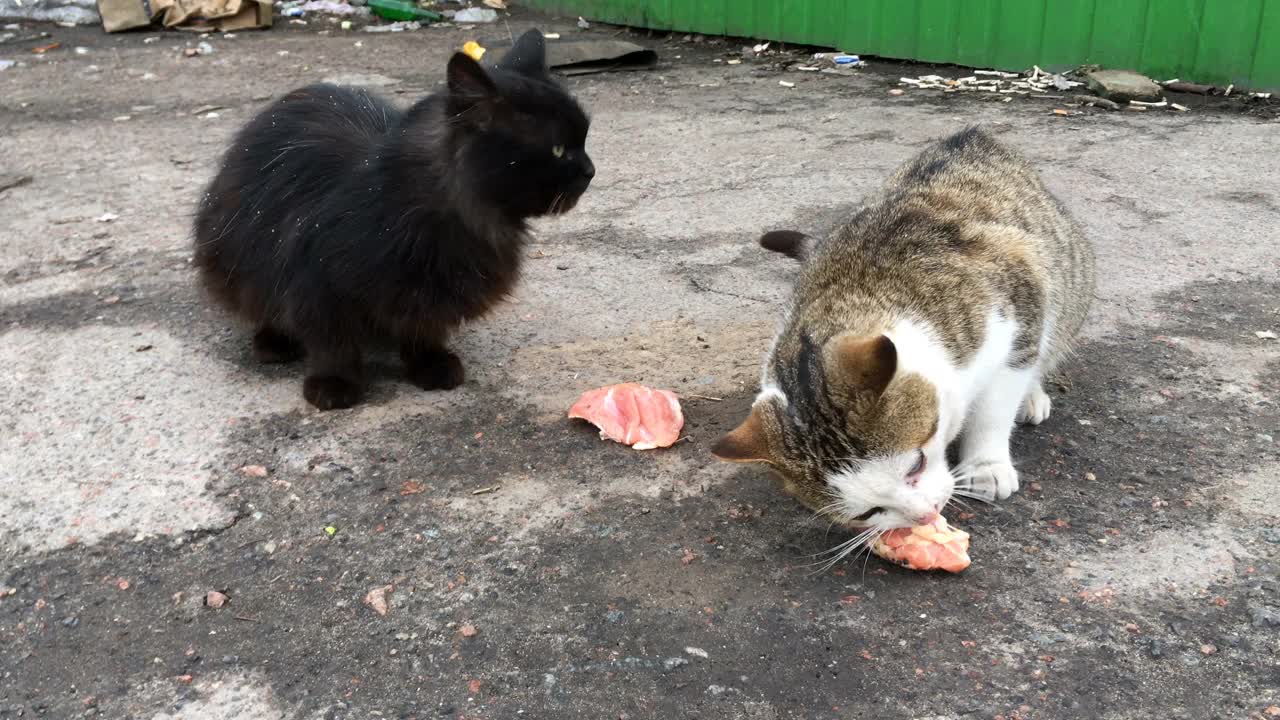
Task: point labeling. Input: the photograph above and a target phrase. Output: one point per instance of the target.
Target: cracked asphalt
(145, 460)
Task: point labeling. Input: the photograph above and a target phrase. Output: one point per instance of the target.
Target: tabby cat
(934, 313)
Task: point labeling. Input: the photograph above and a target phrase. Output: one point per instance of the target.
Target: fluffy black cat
(338, 219)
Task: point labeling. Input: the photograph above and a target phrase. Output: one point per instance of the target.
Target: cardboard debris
(193, 15)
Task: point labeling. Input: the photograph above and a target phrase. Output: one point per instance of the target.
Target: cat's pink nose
(926, 519)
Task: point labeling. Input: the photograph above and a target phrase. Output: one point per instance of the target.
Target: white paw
(993, 480)
(1035, 407)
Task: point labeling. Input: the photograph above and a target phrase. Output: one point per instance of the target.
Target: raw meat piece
(632, 414)
(926, 547)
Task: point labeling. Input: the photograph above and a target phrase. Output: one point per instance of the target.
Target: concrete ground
(145, 460)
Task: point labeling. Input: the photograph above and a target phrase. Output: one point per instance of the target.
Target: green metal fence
(1208, 41)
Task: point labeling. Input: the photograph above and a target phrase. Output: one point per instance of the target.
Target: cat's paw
(1036, 407)
(330, 392)
(437, 371)
(272, 346)
(992, 481)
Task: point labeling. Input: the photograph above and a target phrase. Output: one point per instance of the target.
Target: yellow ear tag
(473, 50)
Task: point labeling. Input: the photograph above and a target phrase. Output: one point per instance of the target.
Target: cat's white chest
(920, 351)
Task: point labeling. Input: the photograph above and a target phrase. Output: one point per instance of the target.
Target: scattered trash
(1062, 112)
(786, 84)
(81, 50)
(1097, 101)
(42, 49)
(687, 557)
(551, 36)
(122, 584)
(257, 471)
(760, 49)
(632, 414)
(330, 530)
(399, 10)
(697, 652)
(583, 24)
(473, 50)
(1192, 88)
(107, 217)
(839, 59)
(393, 27)
(1037, 83)
(215, 599)
(1179, 108)
(1140, 103)
(196, 15)
(122, 118)
(334, 8)
(345, 25)
(6, 64)
(207, 109)
(1124, 85)
(486, 490)
(376, 599)
(1260, 95)
(897, 91)
(1265, 334)
(496, 4)
(473, 15)
(468, 631)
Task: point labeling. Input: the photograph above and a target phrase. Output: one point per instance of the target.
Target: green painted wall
(1209, 41)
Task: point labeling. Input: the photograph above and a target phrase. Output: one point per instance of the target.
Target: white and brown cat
(934, 313)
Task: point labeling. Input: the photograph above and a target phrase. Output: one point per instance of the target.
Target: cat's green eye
(557, 150)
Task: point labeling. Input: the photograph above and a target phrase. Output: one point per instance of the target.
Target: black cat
(338, 219)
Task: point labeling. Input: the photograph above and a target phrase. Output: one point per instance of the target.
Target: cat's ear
(791, 243)
(472, 93)
(746, 443)
(861, 364)
(528, 56)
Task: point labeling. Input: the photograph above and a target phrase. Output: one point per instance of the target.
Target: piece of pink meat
(632, 414)
(926, 547)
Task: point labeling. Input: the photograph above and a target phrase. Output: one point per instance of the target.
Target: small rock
(1263, 617)
(672, 663)
(376, 599)
(1124, 85)
(697, 652)
(215, 599)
